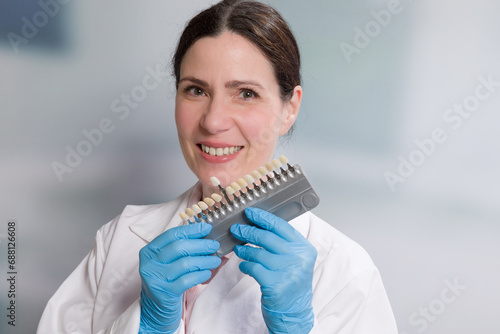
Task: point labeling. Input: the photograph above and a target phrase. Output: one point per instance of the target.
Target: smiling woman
(228, 99)
(237, 70)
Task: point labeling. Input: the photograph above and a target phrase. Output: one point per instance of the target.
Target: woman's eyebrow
(239, 83)
(199, 82)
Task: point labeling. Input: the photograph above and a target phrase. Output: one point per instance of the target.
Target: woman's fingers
(178, 249)
(266, 259)
(262, 275)
(261, 238)
(179, 252)
(179, 242)
(191, 231)
(273, 223)
(189, 264)
(163, 290)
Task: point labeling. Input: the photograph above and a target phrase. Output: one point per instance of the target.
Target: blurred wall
(398, 132)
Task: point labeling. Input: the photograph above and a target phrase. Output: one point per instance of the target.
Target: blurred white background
(361, 113)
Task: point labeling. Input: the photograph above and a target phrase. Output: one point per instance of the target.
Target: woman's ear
(291, 110)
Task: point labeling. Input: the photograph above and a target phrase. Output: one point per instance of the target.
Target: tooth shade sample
(190, 212)
(209, 201)
(217, 197)
(215, 181)
(196, 209)
(249, 179)
(242, 183)
(229, 190)
(235, 186)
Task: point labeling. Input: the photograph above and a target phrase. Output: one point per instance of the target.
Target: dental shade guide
(284, 192)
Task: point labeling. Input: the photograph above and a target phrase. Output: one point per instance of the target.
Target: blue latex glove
(169, 265)
(283, 267)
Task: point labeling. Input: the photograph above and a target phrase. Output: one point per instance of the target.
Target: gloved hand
(173, 262)
(283, 267)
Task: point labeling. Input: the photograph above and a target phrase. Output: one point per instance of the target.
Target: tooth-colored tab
(269, 167)
(217, 197)
(215, 181)
(196, 209)
(235, 186)
(249, 179)
(256, 175)
(190, 212)
(209, 201)
(283, 159)
(229, 190)
(203, 205)
(242, 182)
(184, 216)
(276, 163)
(262, 171)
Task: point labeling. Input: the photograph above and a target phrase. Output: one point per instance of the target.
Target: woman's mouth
(220, 151)
(219, 154)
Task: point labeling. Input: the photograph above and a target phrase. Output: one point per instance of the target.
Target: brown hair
(260, 24)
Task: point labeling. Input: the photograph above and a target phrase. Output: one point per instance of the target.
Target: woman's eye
(248, 94)
(196, 91)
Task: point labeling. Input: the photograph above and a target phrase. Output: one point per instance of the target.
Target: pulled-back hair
(260, 24)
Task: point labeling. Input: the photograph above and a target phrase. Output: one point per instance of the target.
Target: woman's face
(229, 113)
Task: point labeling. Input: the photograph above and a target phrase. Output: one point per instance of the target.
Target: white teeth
(219, 151)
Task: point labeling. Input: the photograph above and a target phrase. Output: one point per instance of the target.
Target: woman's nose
(216, 118)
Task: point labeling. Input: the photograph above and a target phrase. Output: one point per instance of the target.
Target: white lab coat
(102, 294)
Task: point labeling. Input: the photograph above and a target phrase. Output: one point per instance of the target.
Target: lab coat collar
(159, 218)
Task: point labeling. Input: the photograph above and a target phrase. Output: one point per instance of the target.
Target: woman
(237, 70)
